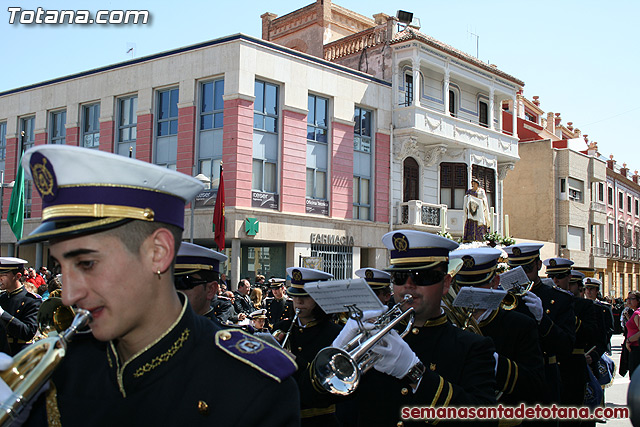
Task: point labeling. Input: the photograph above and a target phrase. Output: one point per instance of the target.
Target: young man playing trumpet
(436, 364)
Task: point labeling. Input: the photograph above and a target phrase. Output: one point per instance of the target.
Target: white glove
(396, 357)
(495, 356)
(534, 304)
(351, 329)
(1, 311)
(5, 363)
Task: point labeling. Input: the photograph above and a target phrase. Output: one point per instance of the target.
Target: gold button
(548, 311)
(148, 214)
(224, 336)
(415, 331)
(299, 348)
(400, 424)
(203, 408)
(404, 391)
(301, 330)
(553, 301)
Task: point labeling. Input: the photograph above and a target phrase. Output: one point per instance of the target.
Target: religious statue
(476, 214)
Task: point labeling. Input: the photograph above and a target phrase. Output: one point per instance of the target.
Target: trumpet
(34, 365)
(510, 300)
(338, 370)
(54, 315)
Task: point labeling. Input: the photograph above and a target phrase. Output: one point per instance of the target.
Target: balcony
(436, 127)
(422, 216)
(598, 257)
(598, 213)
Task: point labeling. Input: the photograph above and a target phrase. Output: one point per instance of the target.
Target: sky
(582, 58)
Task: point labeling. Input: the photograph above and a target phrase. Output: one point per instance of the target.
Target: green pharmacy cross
(251, 226)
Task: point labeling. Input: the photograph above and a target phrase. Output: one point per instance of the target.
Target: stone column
(235, 264)
(515, 115)
(492, 94)
(415, 64)
(445, 91)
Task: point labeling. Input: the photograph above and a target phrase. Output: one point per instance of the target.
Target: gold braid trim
(164, 357)
(53, 412)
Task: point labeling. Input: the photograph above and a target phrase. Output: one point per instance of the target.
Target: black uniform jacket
(20, 317)
(520, 375)
(556, 332)
(607, 322)
(305, 343)
(459, 372)
(278, 309)
(573, 369)
(193, 375)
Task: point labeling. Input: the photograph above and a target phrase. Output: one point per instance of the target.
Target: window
(210, 129)
(317, 154)
(563, 185)
(637, 209)
(58, 132)
(410, 180)
(600, 192)
(453, 184)
(265, 137)
(483, 113)
(610, 196)
(127, 126)
(628, 204)
(362, 163)
(452, 103)
(610, 236)
(487, 179)
(167, 128)
(620, 200)
(27, 140)
(530, 117)
(576, 188)
(408, 92)
(575, 238)
(91, 126)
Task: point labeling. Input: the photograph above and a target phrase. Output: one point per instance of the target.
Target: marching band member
(553, 311)
(279, 307)
(379, 281)
(311, 332)
(114, 225)
(520, 368)
(436, 364)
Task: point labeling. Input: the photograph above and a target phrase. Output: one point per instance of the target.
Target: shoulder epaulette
(268, 359)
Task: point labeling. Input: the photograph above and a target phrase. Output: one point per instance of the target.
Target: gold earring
(159, 274)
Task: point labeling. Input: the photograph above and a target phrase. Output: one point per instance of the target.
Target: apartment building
(305, 146)
(554, 194)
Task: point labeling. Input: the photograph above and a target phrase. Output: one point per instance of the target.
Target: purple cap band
(167, 208)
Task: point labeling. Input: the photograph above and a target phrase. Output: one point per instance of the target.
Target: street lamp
(207, 185)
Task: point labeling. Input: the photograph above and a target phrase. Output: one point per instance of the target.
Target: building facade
(447, 124)
(621, 194)
(294, 133)
(554, 194)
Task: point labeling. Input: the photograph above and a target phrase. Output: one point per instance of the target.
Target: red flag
(218, 215)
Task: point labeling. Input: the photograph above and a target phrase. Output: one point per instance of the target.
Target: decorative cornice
(433, 154)
(343, 121)
(295, 109)
(234, 96)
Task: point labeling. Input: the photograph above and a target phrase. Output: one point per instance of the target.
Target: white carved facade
(424, 73)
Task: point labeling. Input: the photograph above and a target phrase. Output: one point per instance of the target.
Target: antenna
(477, 42)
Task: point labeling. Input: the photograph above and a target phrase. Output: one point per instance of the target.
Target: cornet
(34, 365)
(510, 300)
(338, 370)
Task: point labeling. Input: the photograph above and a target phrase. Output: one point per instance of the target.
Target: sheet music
(513, 277)
(479, 298)
(334, 295)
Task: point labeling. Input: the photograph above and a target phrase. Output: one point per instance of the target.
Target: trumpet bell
(53, 315)
(336, 371)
